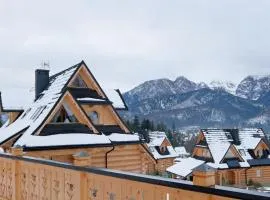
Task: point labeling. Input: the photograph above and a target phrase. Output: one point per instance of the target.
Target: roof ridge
(63, 71)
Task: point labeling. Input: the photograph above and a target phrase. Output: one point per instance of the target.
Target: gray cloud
(127, 42)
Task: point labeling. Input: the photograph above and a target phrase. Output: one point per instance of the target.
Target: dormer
(231, 155)
(8, 115)
(262, 150)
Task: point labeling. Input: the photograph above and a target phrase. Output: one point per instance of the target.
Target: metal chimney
(41, 81)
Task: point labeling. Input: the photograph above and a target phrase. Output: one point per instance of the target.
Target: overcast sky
(128, 42)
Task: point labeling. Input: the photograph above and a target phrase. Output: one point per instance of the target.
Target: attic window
(79, 82)
(94, 117)
(64, 115)
(163, 149)
(242, 152)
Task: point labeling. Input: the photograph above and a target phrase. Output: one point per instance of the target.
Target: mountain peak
(253, 87)
(227, 86)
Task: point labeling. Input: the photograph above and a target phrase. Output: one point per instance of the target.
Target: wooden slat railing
(25, 178)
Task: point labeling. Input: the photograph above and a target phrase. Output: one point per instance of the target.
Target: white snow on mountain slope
(252, 87)
(223, 85)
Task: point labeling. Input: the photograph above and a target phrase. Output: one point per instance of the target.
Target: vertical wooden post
(82, 159)
(16, 151)
(83, 186)
(204, 175)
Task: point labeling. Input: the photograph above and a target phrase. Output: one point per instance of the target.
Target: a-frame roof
(33, 118)
(220, 141)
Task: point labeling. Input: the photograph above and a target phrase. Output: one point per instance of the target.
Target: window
(258, 173)
(64, 115)
(94, 117)
(242, 152)
(259, 153)
(79, 82)
(163, 149)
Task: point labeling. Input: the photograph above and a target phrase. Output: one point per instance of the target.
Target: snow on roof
(185, 167)
(117, 137)
(37, 112)
(90, 99)
(34, 115)
(115, 97)
(66, 139)
(218, 150)
(181, 151)
(219, 141)
(156, 141)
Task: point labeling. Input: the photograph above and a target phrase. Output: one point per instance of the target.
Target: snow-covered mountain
(252, 87)
(223, 85)
(218, 104)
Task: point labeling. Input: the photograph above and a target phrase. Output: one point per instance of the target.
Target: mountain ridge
(185, 103)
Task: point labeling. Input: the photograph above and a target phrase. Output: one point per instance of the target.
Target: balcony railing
(26, 178)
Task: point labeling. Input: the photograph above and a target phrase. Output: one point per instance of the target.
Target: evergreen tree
(136, 124)
(145, 125)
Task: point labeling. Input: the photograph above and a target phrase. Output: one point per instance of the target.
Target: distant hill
(185, 103)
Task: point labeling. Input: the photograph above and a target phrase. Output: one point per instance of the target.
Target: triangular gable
(48, 100)
(88, 78)
(262, 144)
(85, 74)
(75, 108)
(166, 142)
(232, 153)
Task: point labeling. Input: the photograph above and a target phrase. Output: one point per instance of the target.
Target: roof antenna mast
(45, 65)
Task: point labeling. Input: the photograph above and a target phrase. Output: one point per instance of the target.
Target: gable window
(259, 153)
(163, 149)
(64, 115)
(79, 82)
(94, 117)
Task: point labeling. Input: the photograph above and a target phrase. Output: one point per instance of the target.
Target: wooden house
(240, 156)
(162, 150)
(71, 117)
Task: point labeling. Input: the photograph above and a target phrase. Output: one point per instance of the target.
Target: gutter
(106, 156)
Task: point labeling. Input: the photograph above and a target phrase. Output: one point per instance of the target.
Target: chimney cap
(204, 168)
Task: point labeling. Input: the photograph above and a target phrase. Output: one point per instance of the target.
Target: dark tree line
(137, 125)
(144, 126)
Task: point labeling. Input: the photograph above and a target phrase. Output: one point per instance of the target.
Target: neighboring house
(181, 152)
(71, 116)
(239, 155)
(163, 152)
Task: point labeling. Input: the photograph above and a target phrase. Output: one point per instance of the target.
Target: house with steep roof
(240, 156)
(162, 150)
(72, 114)
(182, 152)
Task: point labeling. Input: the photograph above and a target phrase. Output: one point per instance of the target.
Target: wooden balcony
(25, 178)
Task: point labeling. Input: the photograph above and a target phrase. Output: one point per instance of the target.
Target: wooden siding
(202, 152)
(132, 158)
(239, 177)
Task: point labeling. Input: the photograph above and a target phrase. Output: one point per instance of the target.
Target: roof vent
(41, 81)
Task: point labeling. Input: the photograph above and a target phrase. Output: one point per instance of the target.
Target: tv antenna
(45, 65)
